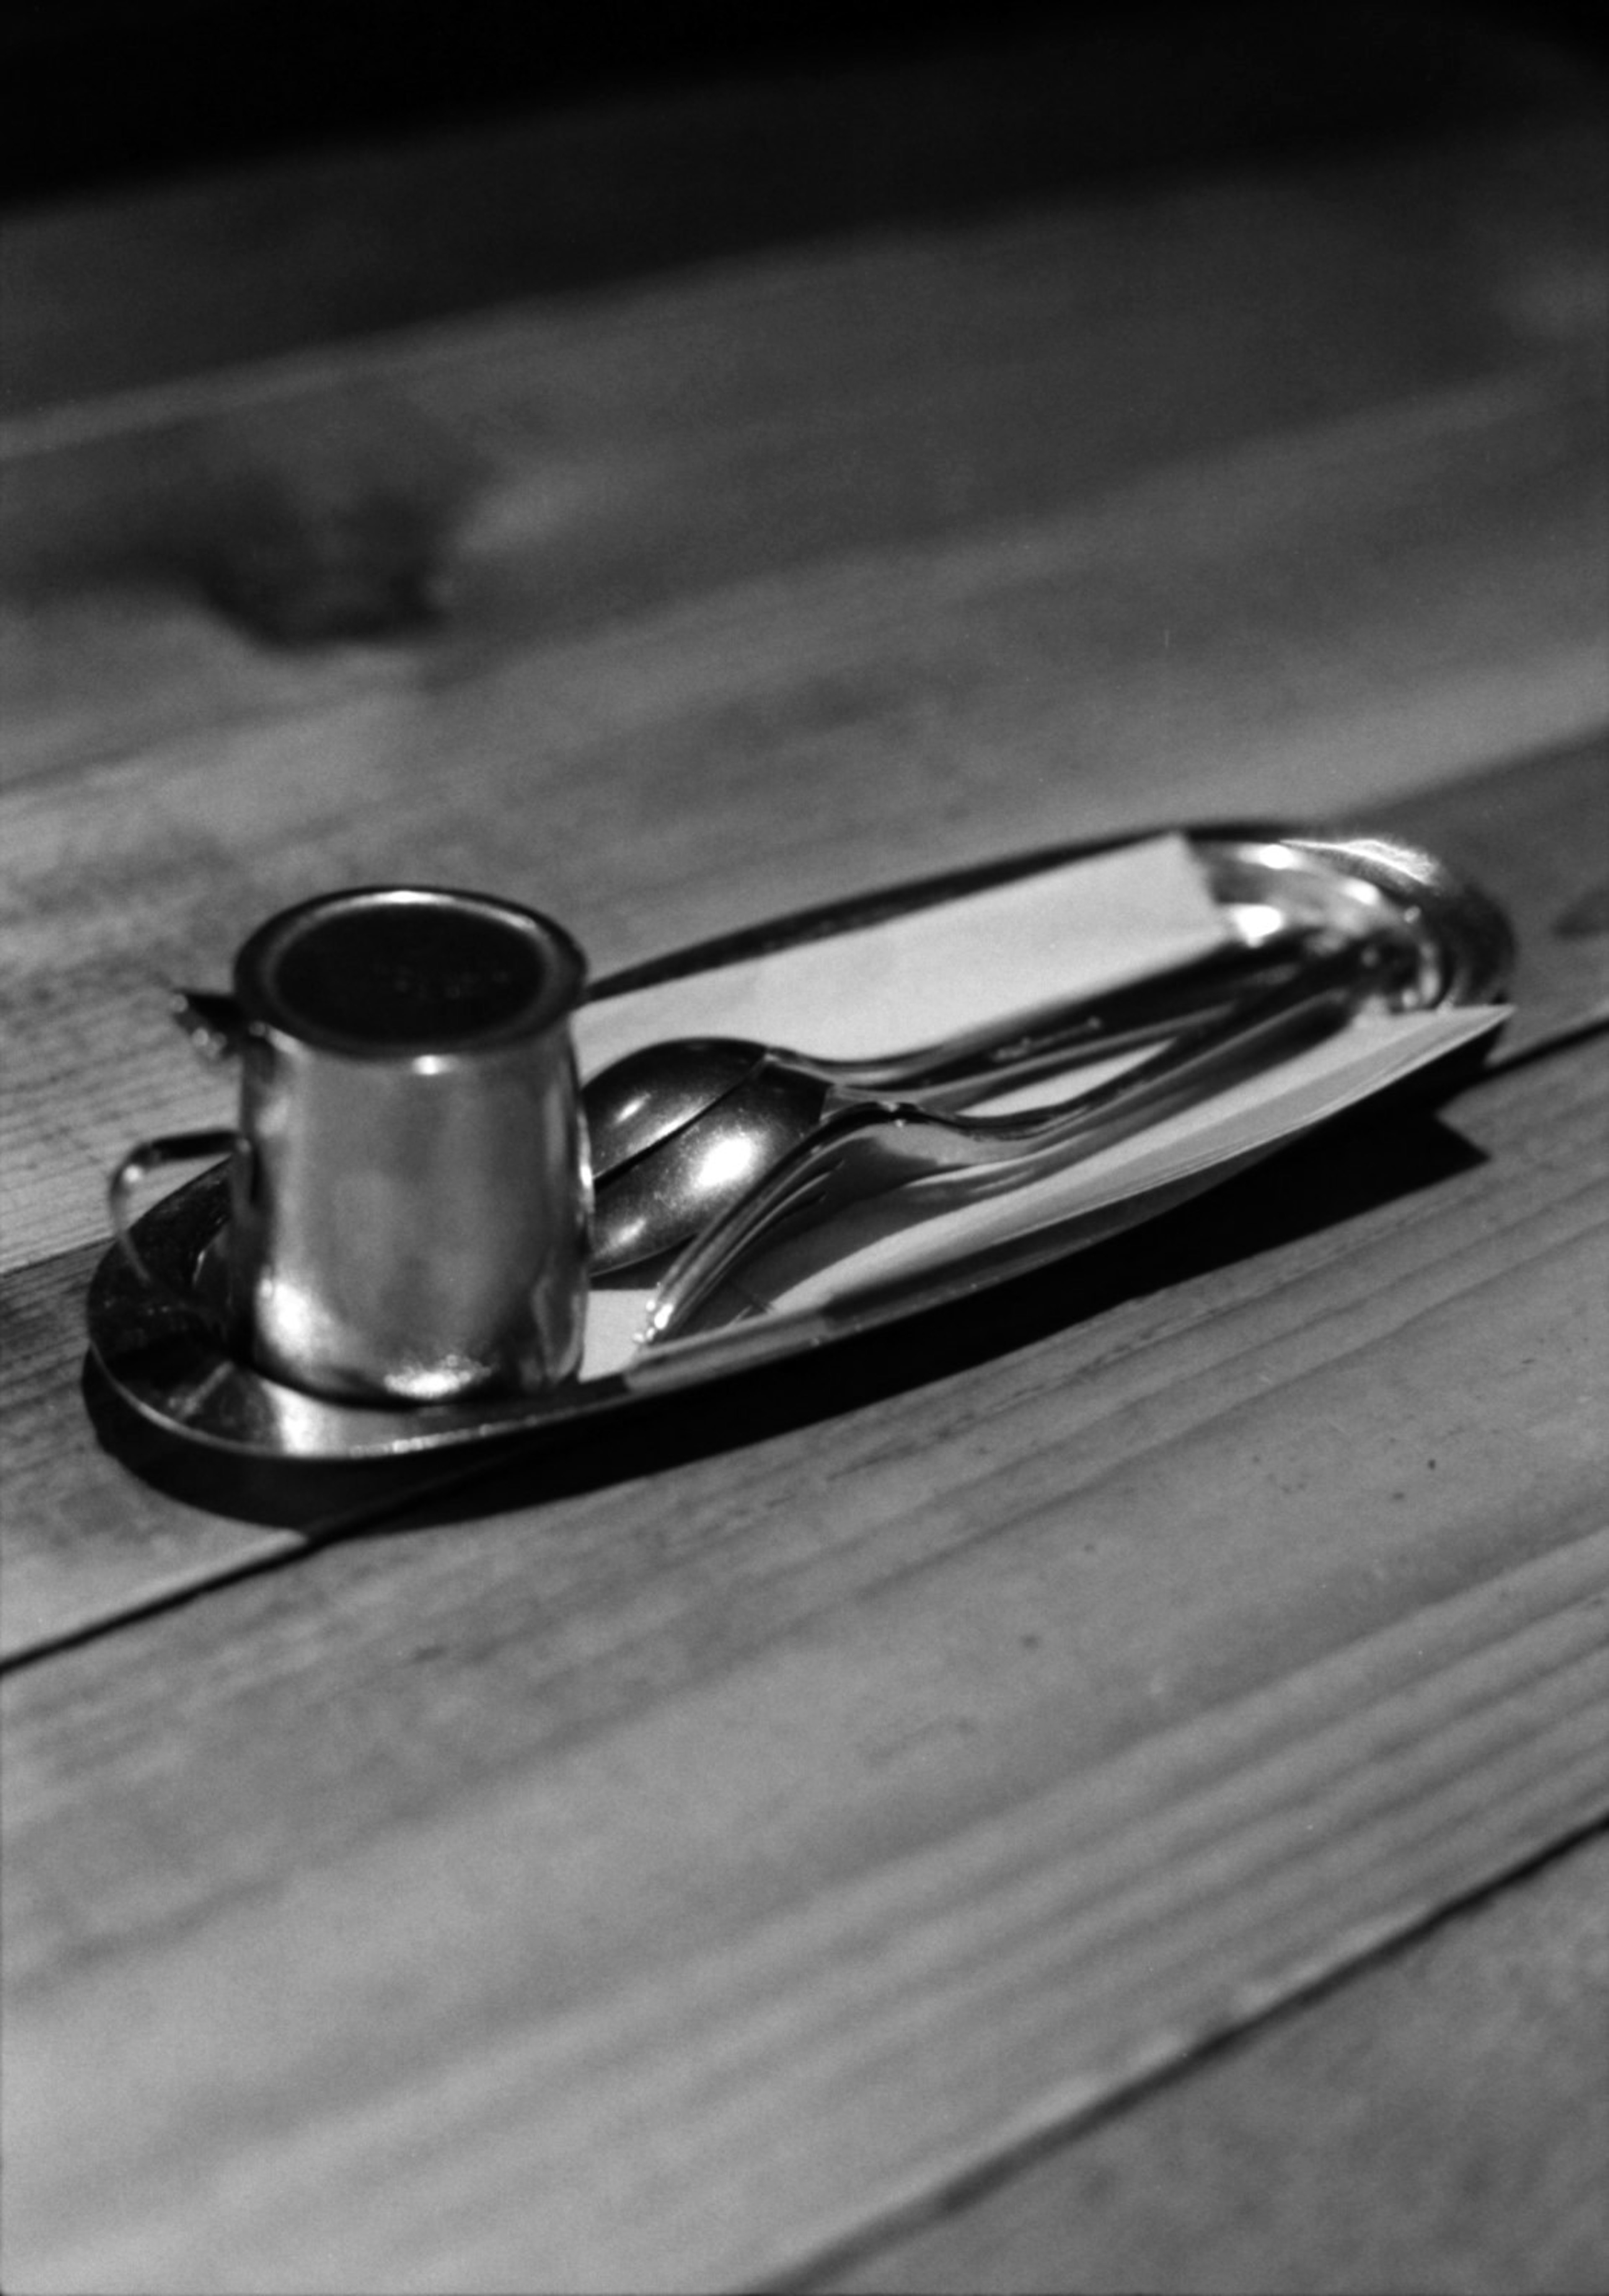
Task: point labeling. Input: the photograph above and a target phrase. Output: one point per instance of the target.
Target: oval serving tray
(165, 1366)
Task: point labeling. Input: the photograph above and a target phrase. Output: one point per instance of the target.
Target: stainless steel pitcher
(409, 1187)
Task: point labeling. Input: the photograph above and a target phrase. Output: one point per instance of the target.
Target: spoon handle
(1152, 1011)
(1093, 1028)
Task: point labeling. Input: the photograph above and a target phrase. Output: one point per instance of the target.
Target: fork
(875, 1146)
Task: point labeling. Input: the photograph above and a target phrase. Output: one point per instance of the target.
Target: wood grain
(1458, 2082)
(1401, 602)
(671, 1868)
(83, 1544)
(84, 1541)
(99, 294)
(1102, 1695)
(966, 539)
(539, 474)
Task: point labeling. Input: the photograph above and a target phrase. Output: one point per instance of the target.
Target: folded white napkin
(959, 964)
(1090, 925)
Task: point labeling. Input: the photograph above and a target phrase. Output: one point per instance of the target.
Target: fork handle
(1324, 994)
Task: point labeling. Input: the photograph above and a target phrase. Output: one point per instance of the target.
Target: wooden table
(1101, 1793)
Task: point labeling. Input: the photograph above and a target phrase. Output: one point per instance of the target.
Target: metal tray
(165, 1367)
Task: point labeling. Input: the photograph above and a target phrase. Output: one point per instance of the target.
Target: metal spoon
(865, 1149)
(680, 1130)
(1436, 938)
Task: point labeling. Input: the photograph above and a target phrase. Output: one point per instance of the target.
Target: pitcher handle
(144, 1157)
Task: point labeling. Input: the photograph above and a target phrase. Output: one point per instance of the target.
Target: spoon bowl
(698, 1171)
(645, 1096)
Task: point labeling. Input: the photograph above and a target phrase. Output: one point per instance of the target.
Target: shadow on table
(1349, 1169)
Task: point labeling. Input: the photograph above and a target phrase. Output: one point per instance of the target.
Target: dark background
(99, 93)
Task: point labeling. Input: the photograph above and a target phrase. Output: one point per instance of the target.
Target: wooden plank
(541, 473)
(83, 1541)
(83, 1544)
(584, 460)
(942, 697)
(745, 1851)
(1440, 2122)
(1351, 643)
(99, 294)
(691, 1861)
